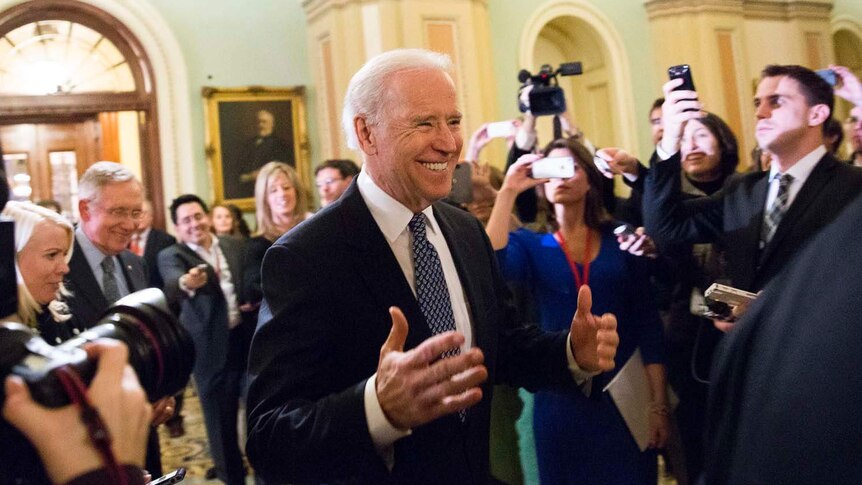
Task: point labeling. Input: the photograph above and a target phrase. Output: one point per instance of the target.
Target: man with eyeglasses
(102, 270)
(332, 178)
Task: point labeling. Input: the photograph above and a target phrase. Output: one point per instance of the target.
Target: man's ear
(367, 141)
(818, 114)
(84, 209)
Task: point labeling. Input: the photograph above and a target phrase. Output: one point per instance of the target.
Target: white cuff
(631, 177)
(383, 434)
(582, 378)
(663, 155)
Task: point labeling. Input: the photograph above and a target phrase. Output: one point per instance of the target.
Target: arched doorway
(847, 45)
(600, 99)
(76, 86)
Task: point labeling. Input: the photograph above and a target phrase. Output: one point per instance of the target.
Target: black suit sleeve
(670, 219)
(295, 354)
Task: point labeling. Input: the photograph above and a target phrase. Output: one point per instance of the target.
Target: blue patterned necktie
(431, 289)
(777, 209)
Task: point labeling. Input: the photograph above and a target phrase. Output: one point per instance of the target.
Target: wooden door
(37, 141)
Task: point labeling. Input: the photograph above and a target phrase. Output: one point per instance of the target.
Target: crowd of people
(367, 340)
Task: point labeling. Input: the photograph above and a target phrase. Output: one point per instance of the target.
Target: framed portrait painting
(248, 127)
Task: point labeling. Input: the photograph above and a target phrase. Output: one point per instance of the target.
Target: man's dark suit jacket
(328, 284)
(733, 216)
(786, 395)
(87, 302)
(156, 241)
(204, 315)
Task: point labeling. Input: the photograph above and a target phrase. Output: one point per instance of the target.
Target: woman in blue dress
(581, 437)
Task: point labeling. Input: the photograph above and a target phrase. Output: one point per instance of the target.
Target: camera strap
(96, 429)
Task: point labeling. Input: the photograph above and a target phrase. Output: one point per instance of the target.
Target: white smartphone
(500, 129)
(729, 295)
(553, 168)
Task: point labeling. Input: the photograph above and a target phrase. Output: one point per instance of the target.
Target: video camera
(545, 98)
(160, 350)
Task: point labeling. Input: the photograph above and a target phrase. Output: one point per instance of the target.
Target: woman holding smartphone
(580, 436)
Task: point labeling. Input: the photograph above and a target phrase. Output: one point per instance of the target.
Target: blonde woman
(43, 248)
(281, 201)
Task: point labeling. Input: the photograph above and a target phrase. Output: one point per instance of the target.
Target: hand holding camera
(195, 278)
(60, 435)
(612, 160)
(635, 241)
(680, 106)
(847, 85)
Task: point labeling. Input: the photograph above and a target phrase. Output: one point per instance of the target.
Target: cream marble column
(343, 34)
(728, 42)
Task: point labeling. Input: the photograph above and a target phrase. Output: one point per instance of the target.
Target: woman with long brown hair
(582, 438)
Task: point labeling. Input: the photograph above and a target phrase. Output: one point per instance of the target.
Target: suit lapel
(377, 266)
(816, 182)
(87, 288)
(751, 235)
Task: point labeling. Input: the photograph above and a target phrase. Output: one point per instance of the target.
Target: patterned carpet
(190, 451)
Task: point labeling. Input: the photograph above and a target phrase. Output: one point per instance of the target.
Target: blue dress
(579, 439)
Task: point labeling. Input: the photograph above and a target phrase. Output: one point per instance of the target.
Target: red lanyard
(579, 278)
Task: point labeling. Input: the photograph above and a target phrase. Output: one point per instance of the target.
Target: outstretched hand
(594, 338)
(518, 177)
(417, 386)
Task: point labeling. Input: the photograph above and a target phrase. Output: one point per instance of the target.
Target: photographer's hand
(517, 180)
(849, 87)
(477, 142)
(59, 434)
(678, 108)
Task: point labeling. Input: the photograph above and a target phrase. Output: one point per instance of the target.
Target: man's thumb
(398, 334)
(585, 300)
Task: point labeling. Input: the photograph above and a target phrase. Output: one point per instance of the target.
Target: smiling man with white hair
(385, 321)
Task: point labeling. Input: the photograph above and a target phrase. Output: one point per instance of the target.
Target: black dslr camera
(160, 350)
(546, 98)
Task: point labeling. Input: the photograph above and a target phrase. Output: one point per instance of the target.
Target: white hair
(27, 217)
(368, 86)
(101, 174)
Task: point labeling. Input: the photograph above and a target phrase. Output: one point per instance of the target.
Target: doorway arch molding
(607, 33)
(172, 87)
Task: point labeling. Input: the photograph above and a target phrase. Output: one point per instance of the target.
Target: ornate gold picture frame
(248, 127)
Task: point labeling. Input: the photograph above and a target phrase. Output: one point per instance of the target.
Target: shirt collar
(391, 216)
(196, 248)
(93, 254)
(803, 168)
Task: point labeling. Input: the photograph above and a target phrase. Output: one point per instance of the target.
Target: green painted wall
(230, 43)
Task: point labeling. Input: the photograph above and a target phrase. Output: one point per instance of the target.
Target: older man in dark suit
(764, 218)
(203, 278)
(102, 270)
(343, 389)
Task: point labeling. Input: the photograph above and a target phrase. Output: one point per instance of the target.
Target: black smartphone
(682, 71)
(462, 186)
(175, 476)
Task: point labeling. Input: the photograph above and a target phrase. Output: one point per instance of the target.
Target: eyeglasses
(125, 213)
(326, 182)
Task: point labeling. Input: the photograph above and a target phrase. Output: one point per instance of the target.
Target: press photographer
(160, 351)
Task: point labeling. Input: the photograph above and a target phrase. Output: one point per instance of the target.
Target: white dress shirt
(214, 256)
(799, 171)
